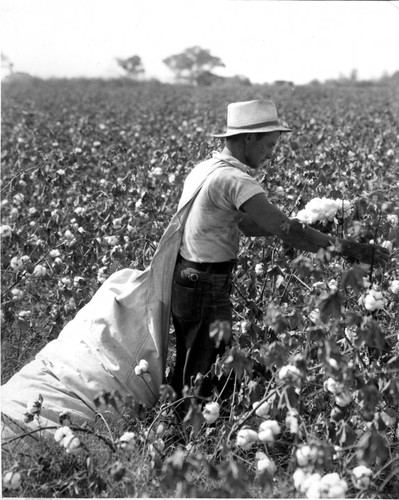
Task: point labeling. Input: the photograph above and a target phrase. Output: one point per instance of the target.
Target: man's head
(253, 130)
(253, 149)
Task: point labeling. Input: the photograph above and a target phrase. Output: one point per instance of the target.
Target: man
(230, 202)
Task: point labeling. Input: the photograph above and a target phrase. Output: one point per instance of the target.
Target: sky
(265, 40)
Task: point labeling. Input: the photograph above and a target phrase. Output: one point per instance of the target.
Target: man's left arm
(272, 220)
(249, 227)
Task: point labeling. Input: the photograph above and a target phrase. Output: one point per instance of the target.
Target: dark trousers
(199, 297)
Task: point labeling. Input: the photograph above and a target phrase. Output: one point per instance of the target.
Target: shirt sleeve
(230, 188)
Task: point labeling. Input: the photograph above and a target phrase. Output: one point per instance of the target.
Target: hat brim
(269, 128)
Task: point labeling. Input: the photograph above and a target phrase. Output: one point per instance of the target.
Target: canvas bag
(126, 320)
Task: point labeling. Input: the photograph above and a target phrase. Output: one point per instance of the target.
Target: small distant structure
(19, 77)
(207, 79)
(8, 74)
(284, 83)
(239, 79)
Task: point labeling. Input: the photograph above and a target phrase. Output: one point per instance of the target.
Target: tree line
(194, 65)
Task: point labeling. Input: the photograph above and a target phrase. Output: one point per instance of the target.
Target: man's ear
(249, 138)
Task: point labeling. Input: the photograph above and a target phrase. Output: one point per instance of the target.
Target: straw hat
(252, 117)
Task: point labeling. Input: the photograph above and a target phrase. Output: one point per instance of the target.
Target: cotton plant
(33, 409)
(140, 370)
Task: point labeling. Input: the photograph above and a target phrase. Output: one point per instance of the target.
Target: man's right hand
(367, 253)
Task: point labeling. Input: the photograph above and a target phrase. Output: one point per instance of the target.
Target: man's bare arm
(271, 220)
(249, 228)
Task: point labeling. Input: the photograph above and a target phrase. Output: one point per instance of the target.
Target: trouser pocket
(186, 302)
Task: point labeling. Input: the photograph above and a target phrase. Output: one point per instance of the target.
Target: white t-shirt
(211, 231)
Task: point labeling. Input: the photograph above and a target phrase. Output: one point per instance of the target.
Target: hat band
(256, 125)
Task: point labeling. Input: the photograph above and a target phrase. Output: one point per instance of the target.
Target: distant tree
(190, 64)
(7, 64)
(353, 77)
(132, 65)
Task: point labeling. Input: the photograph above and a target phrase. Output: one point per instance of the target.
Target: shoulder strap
(174, 231)
(197, 178)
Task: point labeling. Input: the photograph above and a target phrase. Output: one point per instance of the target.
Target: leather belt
(209, 267)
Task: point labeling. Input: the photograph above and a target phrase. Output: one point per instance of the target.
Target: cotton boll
(268, 430)
(361, 477)
(246, 438)
(39, 271)
(332, 486)
(61, 433)
(344, 398)
(299, 477)
(127, 441)
(12, 480)
(265, 464)
(259, 269)
(74, 445)
(144, 365)
(262, 410)
(306, 455)
(290, 374)
(211, 412)
(394, 286)
(374, 300)
(332, 386)
(266, 436)
(5, 231)
(388, 245)
(311, 485)
(291, 421)
(324, 209)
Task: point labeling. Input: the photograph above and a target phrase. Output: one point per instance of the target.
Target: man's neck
(235, 152)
